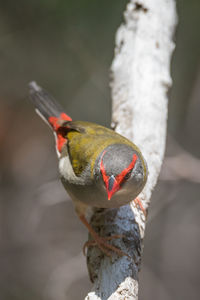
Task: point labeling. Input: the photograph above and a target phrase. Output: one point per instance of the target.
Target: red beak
(112, 187)
(111, 183)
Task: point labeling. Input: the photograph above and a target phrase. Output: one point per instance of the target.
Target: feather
(45, 105)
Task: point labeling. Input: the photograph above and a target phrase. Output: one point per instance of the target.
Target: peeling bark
(140, 81)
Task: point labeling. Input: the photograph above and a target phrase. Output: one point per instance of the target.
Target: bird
(98, 167)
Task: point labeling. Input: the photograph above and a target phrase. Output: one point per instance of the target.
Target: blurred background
(67, 47)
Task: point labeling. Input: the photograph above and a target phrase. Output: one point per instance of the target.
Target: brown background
(67, 47)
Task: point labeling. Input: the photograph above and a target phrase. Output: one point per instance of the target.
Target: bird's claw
(104, 246)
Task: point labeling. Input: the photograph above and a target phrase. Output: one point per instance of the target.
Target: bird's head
(121, 172)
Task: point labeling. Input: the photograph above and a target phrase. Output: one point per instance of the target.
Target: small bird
(98, 167)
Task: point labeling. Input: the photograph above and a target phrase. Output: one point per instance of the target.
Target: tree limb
(140, 81)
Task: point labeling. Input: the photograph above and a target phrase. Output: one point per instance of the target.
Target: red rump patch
(55, 123)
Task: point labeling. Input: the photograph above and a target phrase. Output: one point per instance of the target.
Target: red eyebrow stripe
(119, 178)
(103, 171)
(106, 179)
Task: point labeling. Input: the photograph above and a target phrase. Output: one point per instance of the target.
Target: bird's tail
(46, 106)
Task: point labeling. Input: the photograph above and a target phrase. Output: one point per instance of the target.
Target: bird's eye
(127, 176)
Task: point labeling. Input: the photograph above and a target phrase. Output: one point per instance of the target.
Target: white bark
(140, 81)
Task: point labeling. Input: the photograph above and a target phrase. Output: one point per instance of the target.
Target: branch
(140, 81)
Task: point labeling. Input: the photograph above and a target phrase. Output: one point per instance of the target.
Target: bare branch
(140, 81)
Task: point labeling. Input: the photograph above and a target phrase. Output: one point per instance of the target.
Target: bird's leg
(139, 203)
(92, 243)
(101, 242)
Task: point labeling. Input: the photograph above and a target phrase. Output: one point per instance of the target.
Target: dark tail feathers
(44, 103)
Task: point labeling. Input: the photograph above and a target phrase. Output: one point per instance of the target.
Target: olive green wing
(86, 141)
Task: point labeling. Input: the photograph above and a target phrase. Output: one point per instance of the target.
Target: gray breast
(115, 159)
